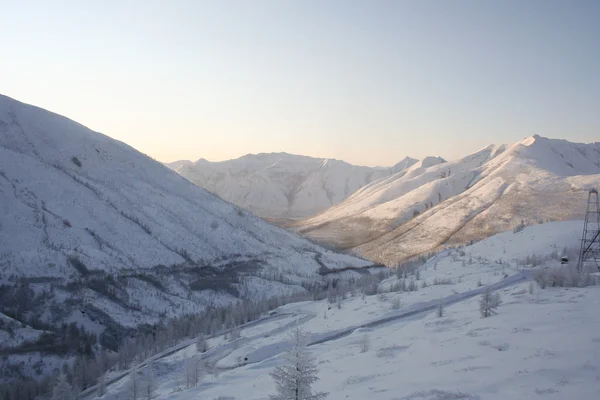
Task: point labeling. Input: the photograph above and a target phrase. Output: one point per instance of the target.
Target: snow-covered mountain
(95, 232)
(433, 204)
(281, 185)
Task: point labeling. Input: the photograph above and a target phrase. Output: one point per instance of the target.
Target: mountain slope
(280, 185)
(95, 232)
(490, 191)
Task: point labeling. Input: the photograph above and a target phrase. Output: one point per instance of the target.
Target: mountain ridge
(282, 185)
(491, 190)
(97, 232)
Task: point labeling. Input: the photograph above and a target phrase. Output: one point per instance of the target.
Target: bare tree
(134, 384)
(102, 385)
(150, 381)
(193, 373)
(294, 379)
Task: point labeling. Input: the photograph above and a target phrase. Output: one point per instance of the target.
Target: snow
(119, 210)
(280, 185)
(431, 205)
(70, 196)
(541, 344)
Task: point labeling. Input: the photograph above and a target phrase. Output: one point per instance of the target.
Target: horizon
(307, 155)
(376, 166)
(366, 83)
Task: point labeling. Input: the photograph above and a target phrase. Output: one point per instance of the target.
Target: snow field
(541, 343)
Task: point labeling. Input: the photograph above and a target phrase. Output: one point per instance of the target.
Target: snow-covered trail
(216, 351)
(425, 307)
(415, 310)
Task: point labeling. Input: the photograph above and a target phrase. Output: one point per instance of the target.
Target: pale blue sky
(364, 81)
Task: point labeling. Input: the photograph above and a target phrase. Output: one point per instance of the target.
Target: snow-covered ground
(433, 204)
(281, 185)
(543, 343)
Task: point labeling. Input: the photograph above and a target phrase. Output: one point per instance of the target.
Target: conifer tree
(295, 378)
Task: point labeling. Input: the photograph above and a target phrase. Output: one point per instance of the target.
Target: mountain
(281, 185)
(433, 204)
(94, 232)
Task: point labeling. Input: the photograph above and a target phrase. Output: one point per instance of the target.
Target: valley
(394, 342)
(117, 268)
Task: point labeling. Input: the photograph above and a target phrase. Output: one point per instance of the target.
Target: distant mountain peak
(283, 185)
(436, 203)
(530, 140)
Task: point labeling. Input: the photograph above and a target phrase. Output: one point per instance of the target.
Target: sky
(369, 82)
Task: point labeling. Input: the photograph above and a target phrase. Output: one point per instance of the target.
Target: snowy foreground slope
(281, 185)
(431, 205)
(93, 231)
(542, 343)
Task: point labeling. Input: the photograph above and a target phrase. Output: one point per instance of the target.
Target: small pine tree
(62, 389)
(294, 379)
(440, 309)
(234, 336)
(102, 385)
(488, 303)
(364, 344)
(531, 288)
(331, 297)
(201, 345)
(193, 373)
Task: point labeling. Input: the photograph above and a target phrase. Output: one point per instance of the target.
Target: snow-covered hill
(92, 231)
(432, 204)
(281, 185)
(542, 343)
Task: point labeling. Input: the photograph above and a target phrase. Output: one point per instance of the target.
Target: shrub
(442, 281)
(76, 161)
(565, 276)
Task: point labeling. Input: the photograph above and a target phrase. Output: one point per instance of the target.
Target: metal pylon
(590, 242)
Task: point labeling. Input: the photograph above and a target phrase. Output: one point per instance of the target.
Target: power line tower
(590, 242)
